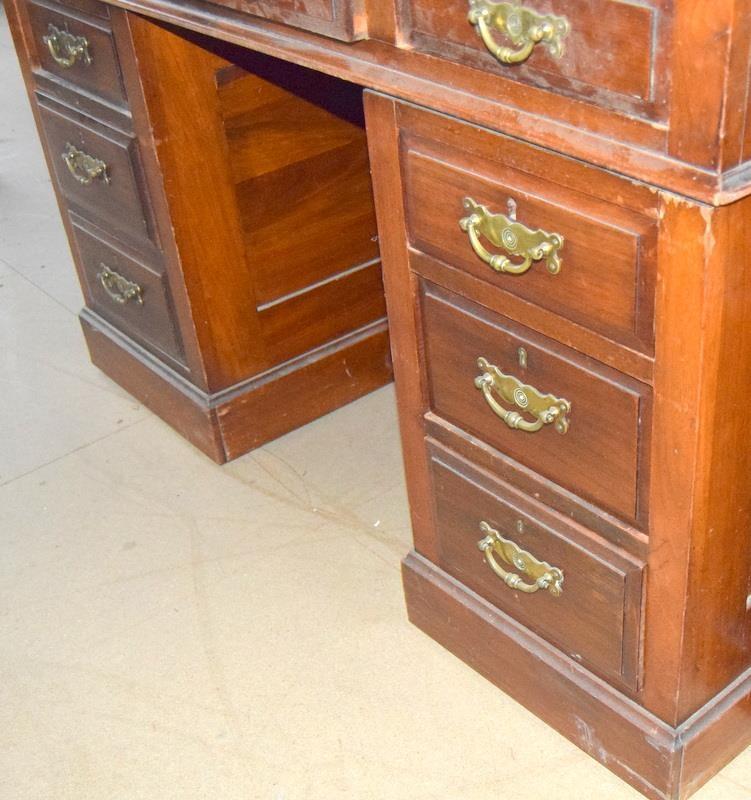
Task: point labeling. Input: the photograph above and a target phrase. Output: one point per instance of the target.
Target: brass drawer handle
(524, 27)
(83, 167)
(544, 576)
(118, 287)
(66, 48)
(516, 239)
(545, 408)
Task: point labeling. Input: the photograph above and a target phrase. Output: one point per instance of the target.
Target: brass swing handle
(513, 237)
(83, 167)
(118, 287)
(544, 576)
(544, 408)
(524, 27)
(66, 48)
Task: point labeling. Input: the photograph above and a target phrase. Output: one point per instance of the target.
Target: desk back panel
(298, 159)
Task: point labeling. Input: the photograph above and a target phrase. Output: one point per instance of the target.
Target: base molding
(227, 424)
(662, 762)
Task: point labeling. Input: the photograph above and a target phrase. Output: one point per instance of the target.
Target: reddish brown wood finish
(662, 762)
(324, 314)
(101, 76)
(118, 198)
(189, 142)
(381, 20)
(700, 498)
(148, 318)
(163, 391)
(653, 92)
(342, 19)
(715, 734)
(568, 504)
(613, 55)
(599, 458)
(324, 381)
(299, 162)
(696, 49)
(283, 154)
(259, 362)
(94, 8)
(596, 619)
(715, 654)
(226, 425)
(455, 278)
(609, 225)
(703, 74)
(692, 472)
(268, 308)
(401, 287)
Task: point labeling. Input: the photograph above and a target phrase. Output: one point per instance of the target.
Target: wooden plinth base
(232, 422)
(660, 761)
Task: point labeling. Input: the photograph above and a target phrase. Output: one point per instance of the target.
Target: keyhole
(522, 358)
(512, 209)
(520, 526)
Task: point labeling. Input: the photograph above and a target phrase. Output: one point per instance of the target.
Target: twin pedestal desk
(557, 194)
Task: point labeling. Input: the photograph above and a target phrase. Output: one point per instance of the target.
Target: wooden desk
(562, 203)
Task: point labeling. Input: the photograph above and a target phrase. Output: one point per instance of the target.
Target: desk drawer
(570, 419)
(132, 296)
(600, 231)
(98, 171)
(589, 595)
(339, 19)
(78, 50)
(94, 8)
(608, 52)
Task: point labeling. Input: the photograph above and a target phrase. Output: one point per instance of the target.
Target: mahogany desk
(562, 213)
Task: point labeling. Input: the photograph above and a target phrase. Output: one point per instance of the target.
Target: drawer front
(486, 205)
(133, 297)
(93, 8)
(609, 52)
(572, 589)
(340, 19)
(573, 421)
(98, 171)
(78, 50)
